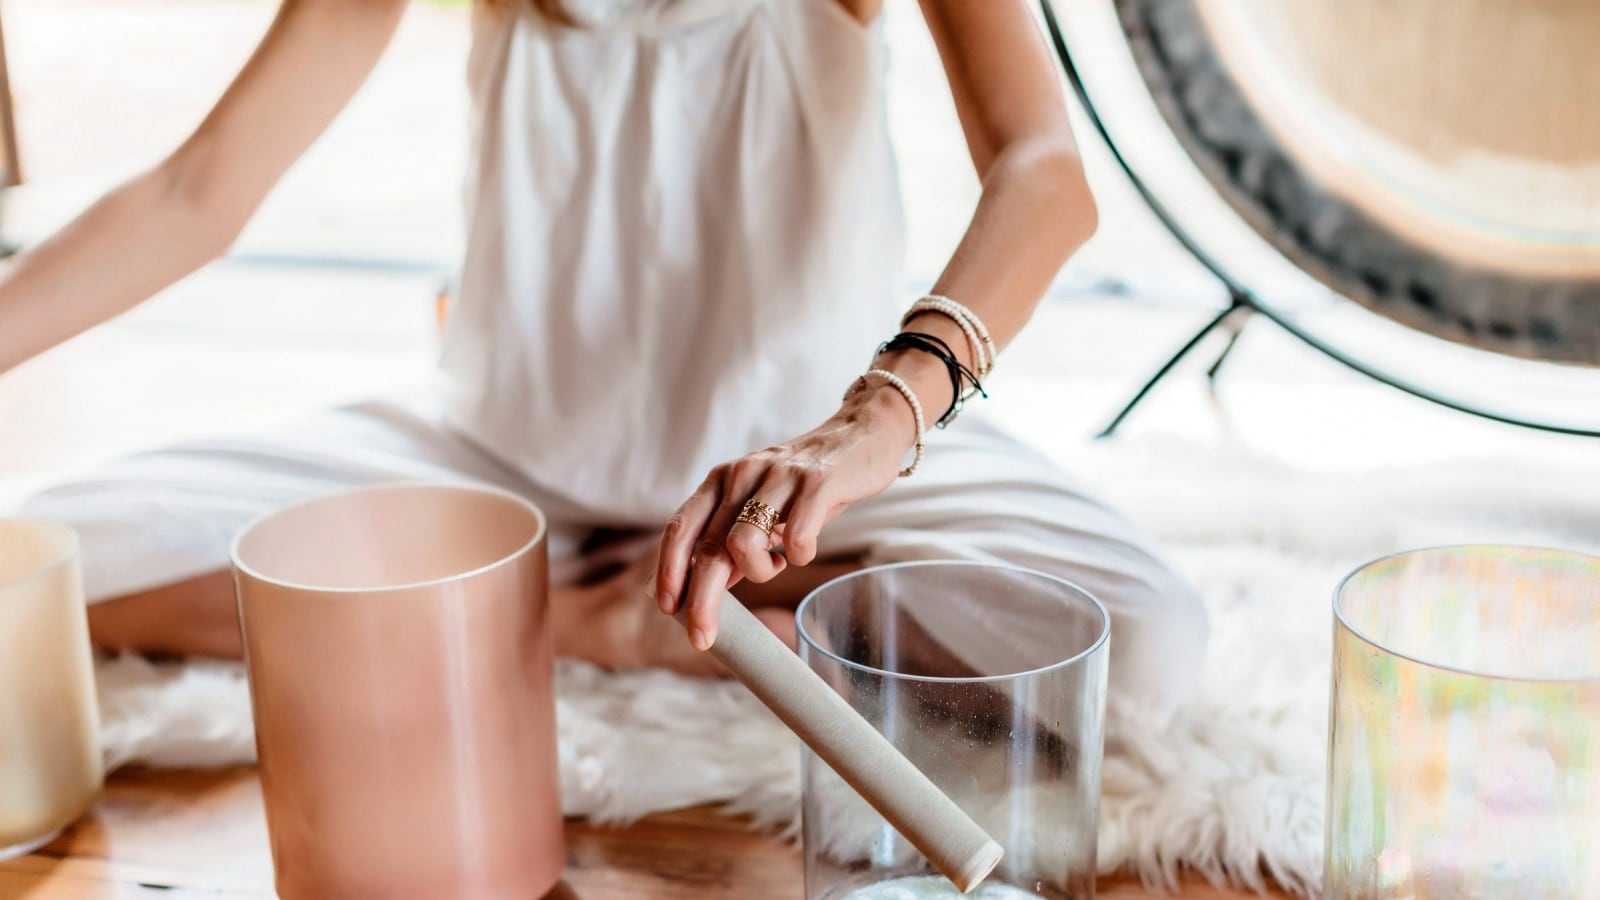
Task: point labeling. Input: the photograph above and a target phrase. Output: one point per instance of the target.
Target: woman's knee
(1159, 634)
(1159, 628)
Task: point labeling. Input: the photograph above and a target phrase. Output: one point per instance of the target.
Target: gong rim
(1364, 257)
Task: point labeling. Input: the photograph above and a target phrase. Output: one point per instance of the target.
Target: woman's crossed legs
(156, 529)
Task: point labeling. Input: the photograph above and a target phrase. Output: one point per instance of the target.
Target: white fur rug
(1233, 788)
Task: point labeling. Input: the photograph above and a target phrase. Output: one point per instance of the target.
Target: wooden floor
(182, 835)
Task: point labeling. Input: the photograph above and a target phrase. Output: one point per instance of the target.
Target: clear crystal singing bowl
(992, 681)
(1464, 749)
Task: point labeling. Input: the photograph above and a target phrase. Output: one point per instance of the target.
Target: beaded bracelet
(960, 376)
(896, 382)
(977, 334)
(977, 325)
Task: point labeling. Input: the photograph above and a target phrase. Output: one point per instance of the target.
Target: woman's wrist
(917, 374)
(892, 397)
(880, 405)
(865, 407)
(924, 374)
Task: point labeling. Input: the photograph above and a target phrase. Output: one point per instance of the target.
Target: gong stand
(1243, 304)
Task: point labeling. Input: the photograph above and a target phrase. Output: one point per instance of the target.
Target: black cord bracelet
(960, 376)
(934, 346)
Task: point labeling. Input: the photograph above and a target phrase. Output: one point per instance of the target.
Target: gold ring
(760, 515)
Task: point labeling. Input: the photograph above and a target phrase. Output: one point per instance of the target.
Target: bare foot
(613, 623)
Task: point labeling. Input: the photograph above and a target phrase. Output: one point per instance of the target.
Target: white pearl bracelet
(978, 340)
(899, 384)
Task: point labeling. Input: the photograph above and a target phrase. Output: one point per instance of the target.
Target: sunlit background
(331, 292)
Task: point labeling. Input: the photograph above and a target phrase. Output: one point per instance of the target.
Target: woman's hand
(854, 455)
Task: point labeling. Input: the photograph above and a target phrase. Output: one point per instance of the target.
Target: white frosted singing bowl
(401, 671)
(50, 766)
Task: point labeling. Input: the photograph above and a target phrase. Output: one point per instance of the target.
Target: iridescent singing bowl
(1464, 748)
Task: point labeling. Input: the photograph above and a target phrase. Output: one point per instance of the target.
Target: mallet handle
(864, 758)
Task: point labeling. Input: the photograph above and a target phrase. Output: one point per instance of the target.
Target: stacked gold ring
(760, 515)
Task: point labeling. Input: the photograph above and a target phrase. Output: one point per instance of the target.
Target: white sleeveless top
(684, 240)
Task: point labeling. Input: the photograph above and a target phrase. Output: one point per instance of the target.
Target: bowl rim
(1342, 622)
(1100, 642)
(541, 528)
(68, 554)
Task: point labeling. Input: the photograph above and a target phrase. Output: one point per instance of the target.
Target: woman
(684, 237)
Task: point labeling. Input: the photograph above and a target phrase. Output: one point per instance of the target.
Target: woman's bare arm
(171, 220)
(1035, 209)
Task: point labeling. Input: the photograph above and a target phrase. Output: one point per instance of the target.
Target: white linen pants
(167, 515)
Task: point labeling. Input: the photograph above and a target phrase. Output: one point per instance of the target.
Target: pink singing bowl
(401, 671)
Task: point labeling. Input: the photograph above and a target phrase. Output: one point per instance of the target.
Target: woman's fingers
(752, 547)
(712, 570)
(706, 549)
(678, 540)
(808, 512)
(709, 575)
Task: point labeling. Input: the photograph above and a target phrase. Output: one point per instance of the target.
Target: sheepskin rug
(1232, 788)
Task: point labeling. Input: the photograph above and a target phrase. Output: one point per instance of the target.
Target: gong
(1435, 161)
